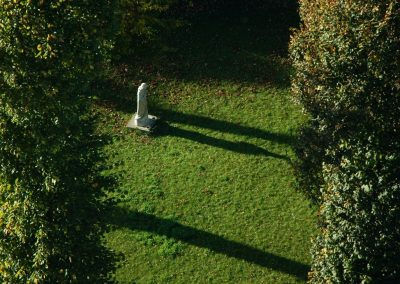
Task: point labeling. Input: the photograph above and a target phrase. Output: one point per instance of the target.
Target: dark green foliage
(142, 24)
(360, 234)
(346, 58)
(190, 9)
(145, 25)
(310, 151)
(347, 61)
(49, 187)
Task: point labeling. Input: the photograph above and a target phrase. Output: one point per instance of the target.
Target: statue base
(144, 123)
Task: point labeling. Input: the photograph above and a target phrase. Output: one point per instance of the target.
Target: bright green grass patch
(209, 197)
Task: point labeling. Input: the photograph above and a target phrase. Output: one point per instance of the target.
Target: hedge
(50, 189)
(347, 77)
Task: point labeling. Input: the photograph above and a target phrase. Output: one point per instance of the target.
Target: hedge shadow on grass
(149, 223)
(240, 48)
(243, 48)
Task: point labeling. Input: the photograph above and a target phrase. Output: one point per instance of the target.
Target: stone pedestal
(145, 124)
(141, 119)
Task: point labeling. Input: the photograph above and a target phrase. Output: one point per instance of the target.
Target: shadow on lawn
(224, 126)
(244, 47)
(221, 126)
(249, 48)
(171, 229)
(238, 147)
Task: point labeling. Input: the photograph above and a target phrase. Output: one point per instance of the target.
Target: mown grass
(209, 197)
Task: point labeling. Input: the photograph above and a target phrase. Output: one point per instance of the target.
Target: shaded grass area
(235, 47)
(209, 196)
(243, 52)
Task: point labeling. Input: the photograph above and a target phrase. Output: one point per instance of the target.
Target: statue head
(142, 87)
(142, 91)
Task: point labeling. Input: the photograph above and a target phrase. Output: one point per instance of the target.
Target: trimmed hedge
(346, 58)
(360, 225)
(50, 190)
(347, 76)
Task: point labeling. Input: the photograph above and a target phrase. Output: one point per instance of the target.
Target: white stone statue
(141, 119)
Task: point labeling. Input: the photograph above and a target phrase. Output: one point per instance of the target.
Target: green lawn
(209, 197)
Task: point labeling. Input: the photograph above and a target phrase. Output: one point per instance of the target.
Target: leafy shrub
(310, 151)
(360, 234)
(347, 78)
(347, 61)
(50, 192)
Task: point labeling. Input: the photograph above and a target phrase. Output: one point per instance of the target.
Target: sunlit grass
(209, 196)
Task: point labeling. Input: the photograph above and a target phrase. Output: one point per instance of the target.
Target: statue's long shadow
(192, 236)
(238, 147)
(164, 129)
(225, 126)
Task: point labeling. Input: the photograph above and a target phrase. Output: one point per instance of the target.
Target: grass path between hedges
(209, 197)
